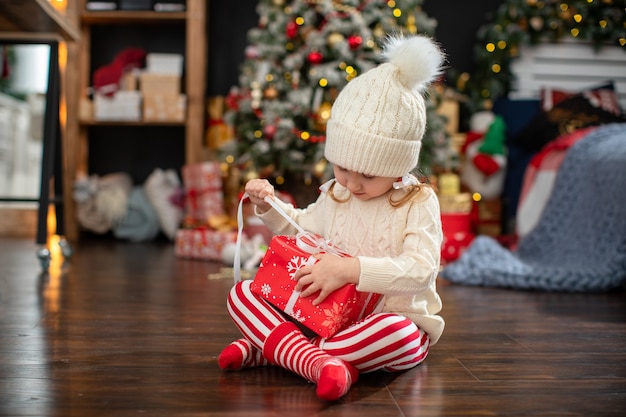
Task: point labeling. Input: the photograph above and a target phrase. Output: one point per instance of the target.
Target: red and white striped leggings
(381, 341)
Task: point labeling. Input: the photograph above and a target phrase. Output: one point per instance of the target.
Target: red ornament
(269, 131)
(291, 30)
(232, 100)
(354, 41)
(315, 57)
(317, 139)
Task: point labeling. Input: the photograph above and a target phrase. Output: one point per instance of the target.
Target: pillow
(603, 96)
(570, 114)
(159, 188)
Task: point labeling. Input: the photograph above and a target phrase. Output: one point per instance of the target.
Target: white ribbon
(237, 258)
(307, 241)
(293, 298)
(269, 200)
(405, 181)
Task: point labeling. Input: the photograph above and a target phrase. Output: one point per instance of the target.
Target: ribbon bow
(406, 181)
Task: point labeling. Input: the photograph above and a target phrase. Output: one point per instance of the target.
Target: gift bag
(274, 282)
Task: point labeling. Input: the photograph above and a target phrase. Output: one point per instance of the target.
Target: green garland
(518, 22)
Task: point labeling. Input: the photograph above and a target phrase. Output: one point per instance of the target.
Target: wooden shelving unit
(194, 82)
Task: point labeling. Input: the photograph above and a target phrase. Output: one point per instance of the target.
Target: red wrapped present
(457, 235)
(202, 243)
(204, 196)
(274, 282)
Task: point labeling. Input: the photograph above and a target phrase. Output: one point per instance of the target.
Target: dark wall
(457, 24)
(229, 22)
(458, 21)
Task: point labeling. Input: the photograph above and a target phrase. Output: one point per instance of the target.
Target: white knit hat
(378, 119)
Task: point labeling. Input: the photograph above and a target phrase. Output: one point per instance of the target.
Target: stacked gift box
(207, 229)
(149, 94)
(457, 216)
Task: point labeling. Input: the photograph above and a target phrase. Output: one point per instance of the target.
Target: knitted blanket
(579, 243)
(141, 222)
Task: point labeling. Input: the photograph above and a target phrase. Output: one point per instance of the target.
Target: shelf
(126, 17)
(137, 123)
(34, 18)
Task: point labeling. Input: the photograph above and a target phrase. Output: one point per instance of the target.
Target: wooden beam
(35, 16)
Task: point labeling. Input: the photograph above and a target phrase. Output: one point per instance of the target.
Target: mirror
(23, 88)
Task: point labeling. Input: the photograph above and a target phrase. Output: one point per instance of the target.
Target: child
(375, 210)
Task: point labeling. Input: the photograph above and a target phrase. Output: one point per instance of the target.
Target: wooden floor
(130, 330)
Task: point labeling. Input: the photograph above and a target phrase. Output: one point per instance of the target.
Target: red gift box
(204, 196)
(202, 243)
(457, 235)
(274, 282)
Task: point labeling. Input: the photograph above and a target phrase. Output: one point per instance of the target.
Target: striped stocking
(241, 354)
(289, 348)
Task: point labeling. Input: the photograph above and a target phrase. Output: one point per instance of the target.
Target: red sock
(289, 348)
(241, 354)
(335, 379)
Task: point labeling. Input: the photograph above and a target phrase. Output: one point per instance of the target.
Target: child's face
(363, 187)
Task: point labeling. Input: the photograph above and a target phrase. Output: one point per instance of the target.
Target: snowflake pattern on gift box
(336, 317)
(266, 289)
(297, 315)
(295, 264)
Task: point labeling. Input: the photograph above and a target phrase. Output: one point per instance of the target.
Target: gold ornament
(251, 175)
(270, 93)
(379, 32)
(334, 39)
(319, 168)
(322, 115)
(536, 22)
(324, 112)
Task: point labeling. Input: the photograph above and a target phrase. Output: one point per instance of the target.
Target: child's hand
(327, 275)
(257, 190)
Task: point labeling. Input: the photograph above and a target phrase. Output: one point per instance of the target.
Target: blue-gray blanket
(579, 243)
(141, 223)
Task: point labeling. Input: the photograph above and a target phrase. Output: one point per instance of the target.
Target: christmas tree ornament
(536, 22)
(335, 39)
(251, 52)
(250, 175)
(270, 93)
(269, 131)
(291, 31)
(315, 57)
(355, 41)
(319, 169)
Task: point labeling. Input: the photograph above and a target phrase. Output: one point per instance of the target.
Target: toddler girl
(377, 211)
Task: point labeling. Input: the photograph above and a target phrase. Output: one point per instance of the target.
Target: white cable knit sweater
(398, 248)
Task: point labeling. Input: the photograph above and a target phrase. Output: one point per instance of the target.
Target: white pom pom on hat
(378, 120)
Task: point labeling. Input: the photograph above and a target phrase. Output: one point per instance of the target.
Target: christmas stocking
(288, 347)
(490, 157)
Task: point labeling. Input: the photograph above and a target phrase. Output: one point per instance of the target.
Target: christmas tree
(299, 57)
(518, 22)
